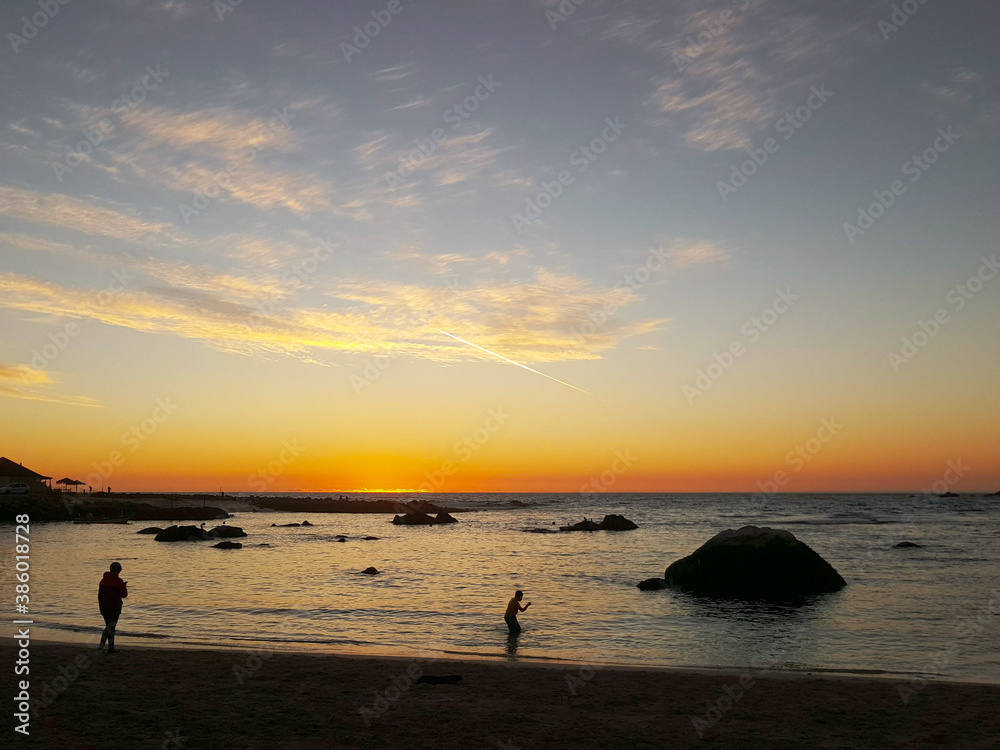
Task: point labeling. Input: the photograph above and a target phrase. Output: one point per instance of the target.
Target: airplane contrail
(525, 367)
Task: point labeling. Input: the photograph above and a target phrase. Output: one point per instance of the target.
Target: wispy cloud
(57, 209)
(729, 75)
(530, 320)
(24, 382)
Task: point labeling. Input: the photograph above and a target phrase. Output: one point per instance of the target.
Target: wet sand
(178, 698)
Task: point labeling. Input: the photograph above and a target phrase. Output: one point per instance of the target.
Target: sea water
(442, 590)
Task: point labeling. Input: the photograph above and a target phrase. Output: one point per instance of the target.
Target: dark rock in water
(540, 531)
(370, 538)
(584, 525)
(227, 532)
(341, 539)
(617, 523)
(444, 679)
(517, 503)
(371, 571)
(902, 545)
(305, 523)
(653, 584)
(285, 525)
(182, 534)
(611, 522)
(150, 530)
(228, 545)
(419, 518)
(755, 563)
(948, 494)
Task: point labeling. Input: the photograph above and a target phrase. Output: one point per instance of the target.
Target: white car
(17, 488)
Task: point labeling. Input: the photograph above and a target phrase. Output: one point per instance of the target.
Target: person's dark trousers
(110, 623)
(512, 624)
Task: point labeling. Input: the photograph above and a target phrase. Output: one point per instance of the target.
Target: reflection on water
(445, 588)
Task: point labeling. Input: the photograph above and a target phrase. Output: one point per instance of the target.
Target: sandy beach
(174, 698)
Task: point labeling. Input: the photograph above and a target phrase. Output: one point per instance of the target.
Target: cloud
(733, 68)
(395, 73)
(219, 130)
(688, 253)
(420, 101)
(24, 382)
(531, 320)
(57, 209)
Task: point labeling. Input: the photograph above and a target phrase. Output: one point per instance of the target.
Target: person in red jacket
(109, 596)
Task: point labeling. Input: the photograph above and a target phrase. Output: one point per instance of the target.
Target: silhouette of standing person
(513, 607)
(109, 596)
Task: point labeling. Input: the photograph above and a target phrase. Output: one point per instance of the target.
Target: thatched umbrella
(70, 482)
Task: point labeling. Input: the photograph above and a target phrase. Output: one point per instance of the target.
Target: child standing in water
(513, 607)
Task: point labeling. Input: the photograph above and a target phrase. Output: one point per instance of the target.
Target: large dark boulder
(445, 517)
(228, 545)
(906, 545)
(617, 523)
(182, 534)
(150, 530)
(371, 571)
(652, 584)
(227, 532)
(755, 563)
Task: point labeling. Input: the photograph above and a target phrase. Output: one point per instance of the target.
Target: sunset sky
(256, 246)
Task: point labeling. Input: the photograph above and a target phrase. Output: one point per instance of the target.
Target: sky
(595, 245)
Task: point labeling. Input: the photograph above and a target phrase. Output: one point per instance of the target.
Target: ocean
(442, 591)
